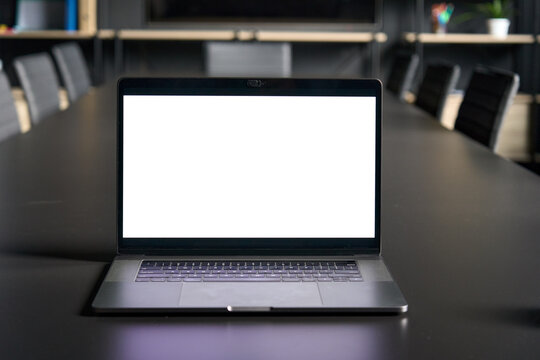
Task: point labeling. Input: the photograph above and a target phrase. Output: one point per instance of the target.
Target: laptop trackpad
(202, 295)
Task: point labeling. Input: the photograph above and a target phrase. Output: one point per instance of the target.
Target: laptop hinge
(254, 257)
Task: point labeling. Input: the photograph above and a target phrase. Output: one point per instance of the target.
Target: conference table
(460, 234)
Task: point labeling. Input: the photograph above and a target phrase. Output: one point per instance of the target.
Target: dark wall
(121, 14)
(393, 25)
(7, 12)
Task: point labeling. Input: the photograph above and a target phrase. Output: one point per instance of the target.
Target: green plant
(496, 9)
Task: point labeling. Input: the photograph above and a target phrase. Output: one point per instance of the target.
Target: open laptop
(252, 195)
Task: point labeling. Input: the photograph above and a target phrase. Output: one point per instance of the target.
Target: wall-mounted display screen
(263, 11)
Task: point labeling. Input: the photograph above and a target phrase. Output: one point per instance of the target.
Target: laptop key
(192, 279)
(286, 271)
(242, 280)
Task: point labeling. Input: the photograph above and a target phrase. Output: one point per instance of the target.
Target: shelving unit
(373, 38)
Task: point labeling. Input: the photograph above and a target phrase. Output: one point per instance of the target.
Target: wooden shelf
(245, 35)
(430, 38)
(296, 36)
(288, 36)
(176, 34)
(48, 34)
(106, 34)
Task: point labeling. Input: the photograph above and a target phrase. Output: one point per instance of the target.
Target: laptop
(248, 195)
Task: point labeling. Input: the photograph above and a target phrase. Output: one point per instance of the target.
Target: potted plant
(497, 12)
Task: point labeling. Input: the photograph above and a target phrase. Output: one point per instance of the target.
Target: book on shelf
(40, 14)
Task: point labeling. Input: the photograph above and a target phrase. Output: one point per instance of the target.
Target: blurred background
(298, 38)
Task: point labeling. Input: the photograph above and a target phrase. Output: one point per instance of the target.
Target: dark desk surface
(460, 227)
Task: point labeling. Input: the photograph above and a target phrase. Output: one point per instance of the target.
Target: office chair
(402, 74)
(73, 69)
(9, 120)
(438, 82)
(487, 99)
(38, 79)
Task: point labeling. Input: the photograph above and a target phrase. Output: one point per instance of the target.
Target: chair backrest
(73, 69)
(40, 84)
(438, 82)
(402, 74)
(9, 121)
(485, 104)
(248, 59)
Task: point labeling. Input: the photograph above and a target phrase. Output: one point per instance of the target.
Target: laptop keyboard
(248, 271)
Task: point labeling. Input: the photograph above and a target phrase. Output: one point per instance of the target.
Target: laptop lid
(248, 166)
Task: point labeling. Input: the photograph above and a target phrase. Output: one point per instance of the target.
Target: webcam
(256, 83)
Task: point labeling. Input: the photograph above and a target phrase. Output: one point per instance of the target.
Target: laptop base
(120, 293)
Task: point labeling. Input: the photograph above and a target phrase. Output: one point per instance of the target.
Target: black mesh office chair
(485, 104)
(73, 69)
(402, 74)
(438, 82)
(40, 84)
(9, 121)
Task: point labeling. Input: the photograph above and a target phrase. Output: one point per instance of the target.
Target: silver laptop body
(248, 195)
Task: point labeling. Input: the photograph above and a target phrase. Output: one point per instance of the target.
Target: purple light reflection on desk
(262, 338)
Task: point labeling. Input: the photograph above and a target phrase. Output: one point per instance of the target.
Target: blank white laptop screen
(248, 166)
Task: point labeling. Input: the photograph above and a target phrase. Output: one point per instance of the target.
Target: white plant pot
(498, 27)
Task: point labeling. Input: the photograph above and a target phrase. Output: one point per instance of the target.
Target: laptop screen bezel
(248, 87)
